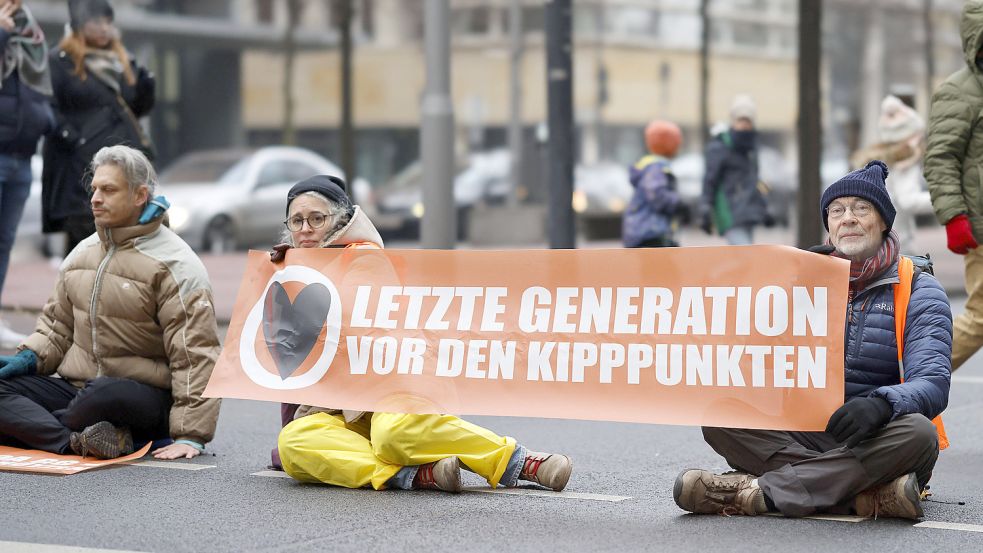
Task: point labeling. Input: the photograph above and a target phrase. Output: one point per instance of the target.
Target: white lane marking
(169, 465)
(968, 379)
(271, 474)
(21, 547)
(547, 493)
(505, 491)
(950, 526)
(832, 518)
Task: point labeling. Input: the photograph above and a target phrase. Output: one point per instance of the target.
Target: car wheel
(220, 237)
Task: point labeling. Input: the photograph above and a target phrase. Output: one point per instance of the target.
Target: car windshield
(196, 169)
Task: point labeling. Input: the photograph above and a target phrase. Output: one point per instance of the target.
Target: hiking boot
(898, 499)
(103, 441)
(701, 491)
(549, 470)
(444, 475)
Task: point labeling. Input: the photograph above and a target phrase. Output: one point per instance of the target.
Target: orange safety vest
(902, 294)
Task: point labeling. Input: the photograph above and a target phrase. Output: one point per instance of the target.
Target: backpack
(908, 270)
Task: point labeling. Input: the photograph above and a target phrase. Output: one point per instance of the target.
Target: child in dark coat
(649, 220)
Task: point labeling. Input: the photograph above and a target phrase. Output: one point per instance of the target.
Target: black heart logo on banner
(291, 329)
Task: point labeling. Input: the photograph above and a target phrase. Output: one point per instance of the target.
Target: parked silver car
(601, 193)
(225, 199)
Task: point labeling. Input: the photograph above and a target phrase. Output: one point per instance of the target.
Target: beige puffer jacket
(135, 302)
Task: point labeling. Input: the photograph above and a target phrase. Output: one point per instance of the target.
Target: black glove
(821, 249)
(706, 223)
(858, 419)
(769, 220)
(279, 252)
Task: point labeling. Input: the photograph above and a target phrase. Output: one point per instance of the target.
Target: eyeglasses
(315, 220)
(860, 210)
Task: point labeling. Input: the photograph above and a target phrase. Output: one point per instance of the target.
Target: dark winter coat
(655, 200)
(89, 116)
(25, 114)
(730, 186)
(872, 351)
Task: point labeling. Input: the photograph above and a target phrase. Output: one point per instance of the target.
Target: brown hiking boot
(898, 499)
(103, 441)
(701, 491)
(443, 475)
(550, 470)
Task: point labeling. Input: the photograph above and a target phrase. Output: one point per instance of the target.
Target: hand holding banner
(738, 336)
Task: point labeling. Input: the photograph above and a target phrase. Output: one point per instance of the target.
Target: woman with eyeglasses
(386, 450)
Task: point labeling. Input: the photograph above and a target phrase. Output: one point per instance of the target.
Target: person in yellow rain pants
(387, 450)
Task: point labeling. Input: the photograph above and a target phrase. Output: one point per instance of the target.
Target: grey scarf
(106, 66)
(27, 53)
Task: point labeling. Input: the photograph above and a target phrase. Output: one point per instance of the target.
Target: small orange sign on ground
(33, 460)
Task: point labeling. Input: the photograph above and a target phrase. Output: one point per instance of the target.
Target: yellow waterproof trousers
(370, 451)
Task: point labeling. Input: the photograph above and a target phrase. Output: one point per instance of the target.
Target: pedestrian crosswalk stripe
(950, 526)
(169, 465)
(967, 379)
(22, 547)
(550, 494)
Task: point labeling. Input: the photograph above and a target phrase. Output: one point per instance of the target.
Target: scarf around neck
(106, 66)
(863, 272)
(26, 53)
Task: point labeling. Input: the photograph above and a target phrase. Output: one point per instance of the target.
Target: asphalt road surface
(620, 500)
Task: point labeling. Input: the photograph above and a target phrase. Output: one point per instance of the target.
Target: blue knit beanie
(867, 183)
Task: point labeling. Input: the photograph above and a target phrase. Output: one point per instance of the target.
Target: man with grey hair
(127, 341)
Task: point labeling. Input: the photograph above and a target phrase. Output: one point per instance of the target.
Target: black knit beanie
(867, 183)
(332, 188)
(80, 11)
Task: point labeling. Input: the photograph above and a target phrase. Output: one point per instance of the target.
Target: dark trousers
(807, 472)
(41, 412)
(77, 228)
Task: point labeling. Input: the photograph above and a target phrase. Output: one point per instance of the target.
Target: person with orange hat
(649, 219)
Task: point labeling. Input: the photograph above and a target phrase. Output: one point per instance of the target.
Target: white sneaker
(9, 338)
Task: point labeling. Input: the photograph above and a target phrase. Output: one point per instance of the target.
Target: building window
(633, 21)
(750, 34)
(264, 11)
(471, 21)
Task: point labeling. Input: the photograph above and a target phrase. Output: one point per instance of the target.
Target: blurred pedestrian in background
(954, 171)
(902, 147)
(648, 221)
(25, 115)
(100, 92)
(733, 197)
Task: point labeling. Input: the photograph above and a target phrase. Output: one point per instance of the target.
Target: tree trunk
(704, 132)
(929, 51)
(294, 9)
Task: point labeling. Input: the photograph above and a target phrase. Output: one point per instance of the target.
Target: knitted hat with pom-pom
(867, 183)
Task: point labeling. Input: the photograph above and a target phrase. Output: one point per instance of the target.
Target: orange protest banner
(33, 460)
(746, 337)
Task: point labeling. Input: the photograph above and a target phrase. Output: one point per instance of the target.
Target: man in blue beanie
(880, 447)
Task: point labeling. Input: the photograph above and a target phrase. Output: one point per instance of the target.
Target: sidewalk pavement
(30, 281)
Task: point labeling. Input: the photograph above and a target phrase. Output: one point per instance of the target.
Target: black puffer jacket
(89, 116)
(25, 114)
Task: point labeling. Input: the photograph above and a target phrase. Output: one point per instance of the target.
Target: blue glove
(155, 208)
(24, 363)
